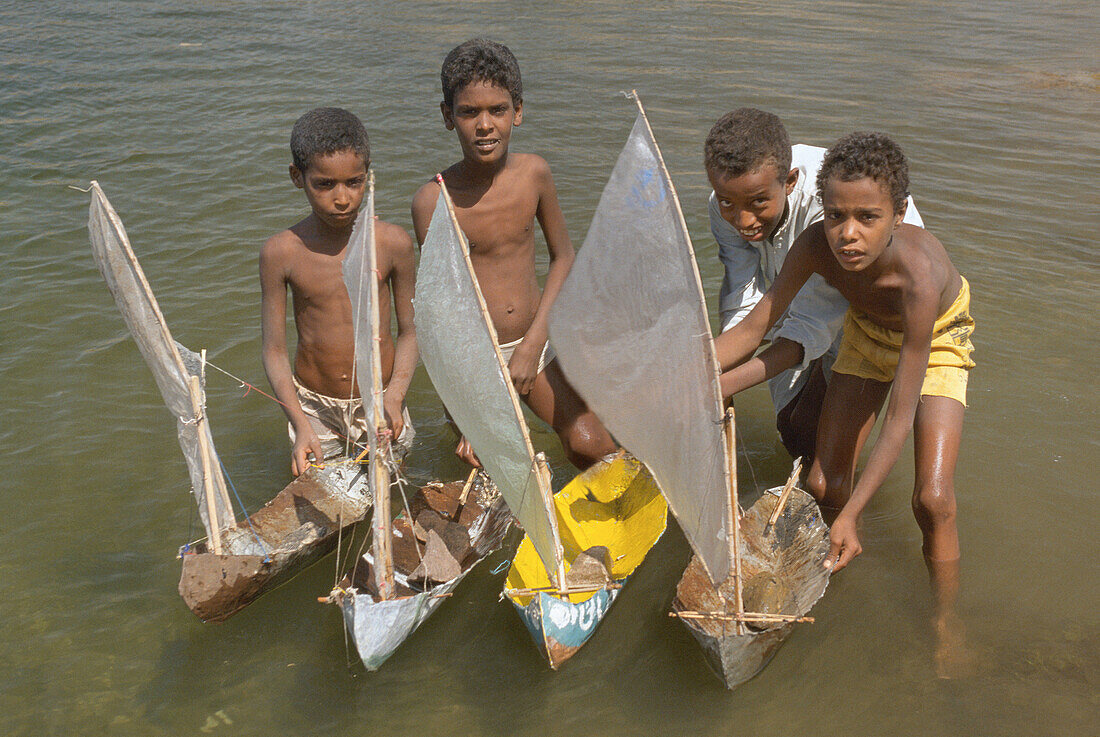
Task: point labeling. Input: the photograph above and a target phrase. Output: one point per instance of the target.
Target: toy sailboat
(580, 546)
(235, 563)
(401, 581)
(631, 330)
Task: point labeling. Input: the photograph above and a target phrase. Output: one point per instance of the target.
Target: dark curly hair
(326, 130)
(744, 140)
(875, 155)
(481, 60)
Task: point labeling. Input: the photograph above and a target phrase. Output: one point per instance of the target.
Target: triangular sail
(630, 328)
(458, 345)
(360, 272)
(360, 277)
(122, 272)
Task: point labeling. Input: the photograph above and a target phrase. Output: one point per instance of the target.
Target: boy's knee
(585, 443)
(934, 504)
(824, 485)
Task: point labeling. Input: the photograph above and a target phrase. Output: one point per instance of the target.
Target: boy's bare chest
(318, 279)
(880, 298)
(499, 222)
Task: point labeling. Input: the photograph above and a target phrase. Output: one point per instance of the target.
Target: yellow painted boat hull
(615, 504)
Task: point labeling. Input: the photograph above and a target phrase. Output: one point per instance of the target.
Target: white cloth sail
(360, 271)
(631, 331)
(122, 272)
(459, 348)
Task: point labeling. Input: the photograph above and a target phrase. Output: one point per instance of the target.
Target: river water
(183, 112)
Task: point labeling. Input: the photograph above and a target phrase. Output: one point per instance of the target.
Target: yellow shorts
(871, 352)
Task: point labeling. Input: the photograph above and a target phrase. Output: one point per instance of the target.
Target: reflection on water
(183, 112)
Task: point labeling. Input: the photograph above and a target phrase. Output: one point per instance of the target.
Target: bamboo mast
(382, 531)
(195, 387)
(540, 468)
(733, 524)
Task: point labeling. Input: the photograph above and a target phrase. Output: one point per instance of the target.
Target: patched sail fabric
(458, 347)
(125, 279)
(360, 271)
(631, 331)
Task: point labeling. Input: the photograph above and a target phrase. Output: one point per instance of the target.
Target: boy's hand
(843, 542)
(524, 366)
(307, 449)
(465, 451)
(395, 416)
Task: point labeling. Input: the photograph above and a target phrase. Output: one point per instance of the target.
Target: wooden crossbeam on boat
(742, 617)
(562, 591)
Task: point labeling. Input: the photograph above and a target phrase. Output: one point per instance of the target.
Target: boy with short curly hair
(906, 333)
(498, 196)
(331, 155)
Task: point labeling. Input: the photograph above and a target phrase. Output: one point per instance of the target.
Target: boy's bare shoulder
(425, 198)
(531, 166)
(392, 238)
(284, 245)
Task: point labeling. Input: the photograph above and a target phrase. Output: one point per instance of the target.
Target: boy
(907, 332)
(765, 195)
(497, 196)
(331, 155)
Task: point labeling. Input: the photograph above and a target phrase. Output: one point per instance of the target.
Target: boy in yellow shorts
(907, 328)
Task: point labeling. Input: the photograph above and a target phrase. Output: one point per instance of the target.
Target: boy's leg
(937, 432)
(848, 414)
(797, 422)
(583, 437)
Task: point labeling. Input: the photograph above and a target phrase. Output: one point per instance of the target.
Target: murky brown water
(183, 110)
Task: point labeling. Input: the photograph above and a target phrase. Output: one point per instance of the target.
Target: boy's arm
(736, 345)
(402, 283)
(918, 317)
(274, 354)
(525, 360)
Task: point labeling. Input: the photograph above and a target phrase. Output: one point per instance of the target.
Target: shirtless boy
(765, 195)
(331, 155)
(906, 333)
(498, 196)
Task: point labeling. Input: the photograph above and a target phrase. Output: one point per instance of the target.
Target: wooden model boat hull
(379, 627)
(297, 528)
(783, 574)
(615, 504)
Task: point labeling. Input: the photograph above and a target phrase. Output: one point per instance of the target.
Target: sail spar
(631, 331)
(458, 345)
(172, 364)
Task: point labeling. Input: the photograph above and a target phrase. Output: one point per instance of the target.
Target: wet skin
(498, 196)
(307, 258)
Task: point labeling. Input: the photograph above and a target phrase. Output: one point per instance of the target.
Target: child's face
(859, 221)
(334, 185)
(483, 116)
(755, 201)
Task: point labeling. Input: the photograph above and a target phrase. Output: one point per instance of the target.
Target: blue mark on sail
(647, 191)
